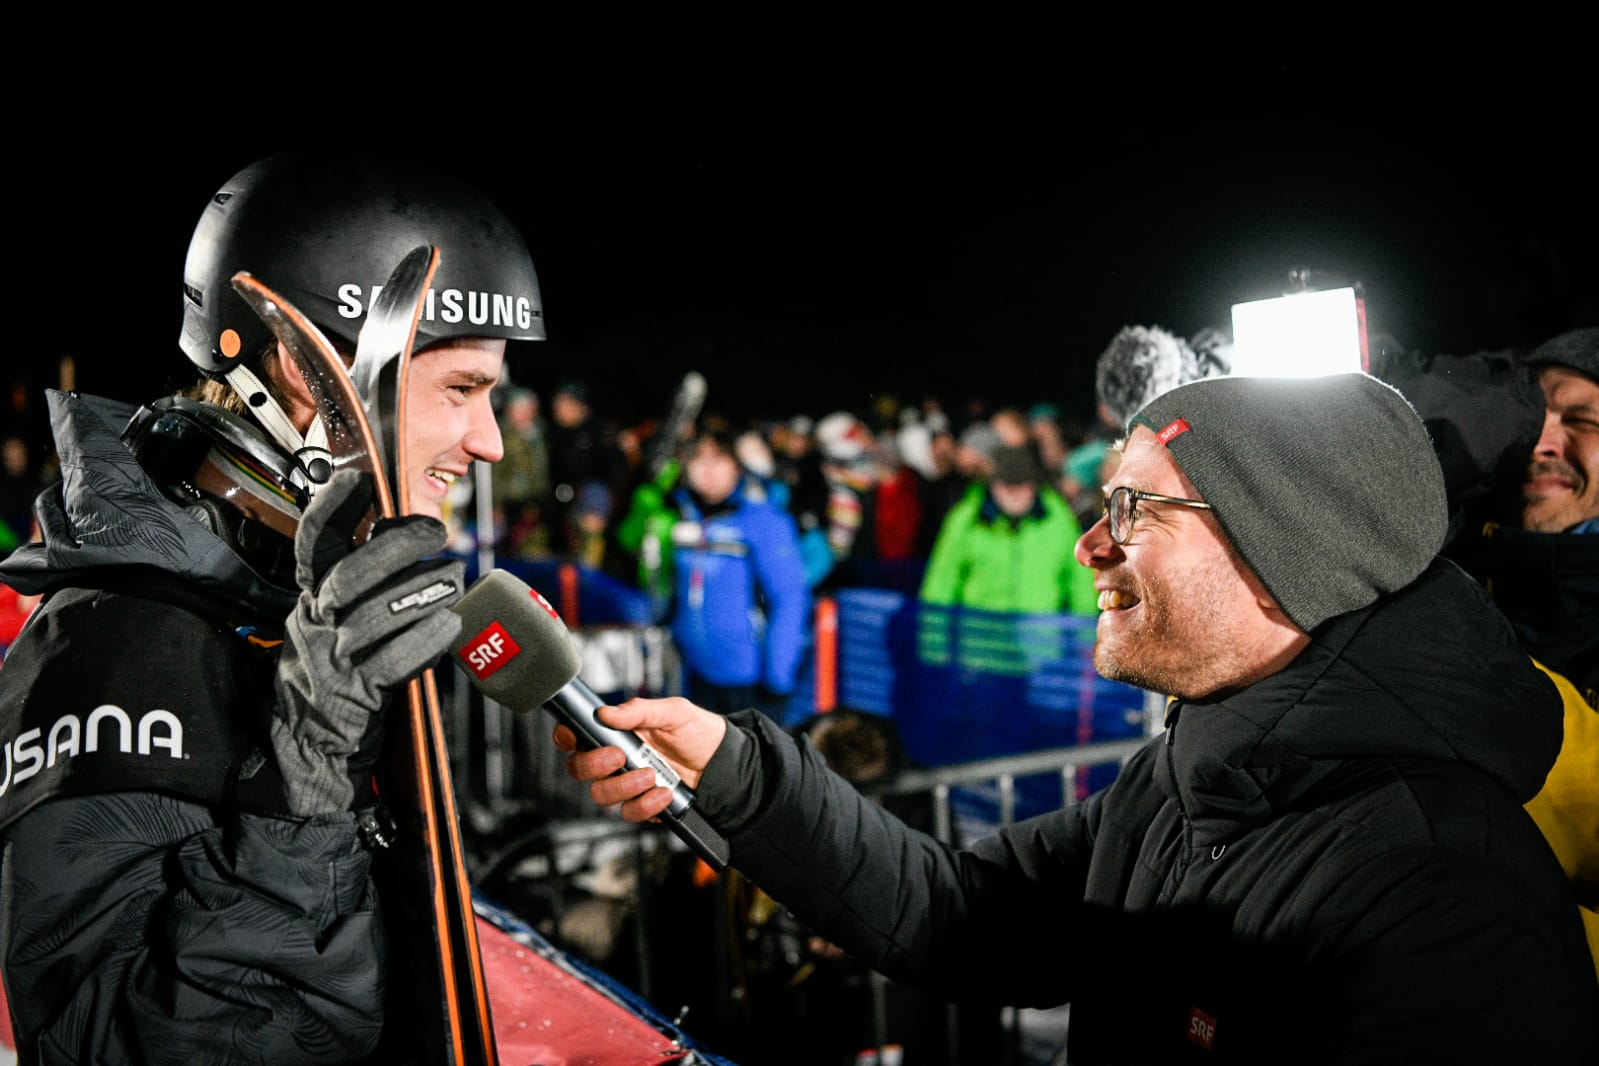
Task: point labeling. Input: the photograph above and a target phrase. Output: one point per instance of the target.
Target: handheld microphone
(516, 651)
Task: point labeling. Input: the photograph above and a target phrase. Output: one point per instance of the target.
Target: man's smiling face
(449, 420)
(1180, 610)
(1561, 485)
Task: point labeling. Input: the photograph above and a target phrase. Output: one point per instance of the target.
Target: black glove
(368, 619)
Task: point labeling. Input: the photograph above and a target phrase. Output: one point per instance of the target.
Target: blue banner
(963, 685)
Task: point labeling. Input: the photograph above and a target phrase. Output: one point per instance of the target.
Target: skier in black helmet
(192, 716)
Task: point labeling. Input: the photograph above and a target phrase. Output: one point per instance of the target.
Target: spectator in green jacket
(1007, 546)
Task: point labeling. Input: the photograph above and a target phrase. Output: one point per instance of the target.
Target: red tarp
(543, 1013)
(546, 1014)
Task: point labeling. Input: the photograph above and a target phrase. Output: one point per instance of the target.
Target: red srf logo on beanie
(1176, 429)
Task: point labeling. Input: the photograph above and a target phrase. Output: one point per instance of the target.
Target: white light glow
(1304, 335)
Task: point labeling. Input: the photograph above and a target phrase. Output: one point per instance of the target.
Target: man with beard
(1518, 437)
(1324, 858)
(1546, 578)
(1542, 567)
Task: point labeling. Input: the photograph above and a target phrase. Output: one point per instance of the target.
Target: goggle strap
(267, 411)
(260, 402)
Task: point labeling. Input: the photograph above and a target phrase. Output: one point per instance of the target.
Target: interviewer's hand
(680, 732)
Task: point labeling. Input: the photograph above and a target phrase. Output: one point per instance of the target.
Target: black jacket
(1547, 584)
(155, 904)
(1332, 865)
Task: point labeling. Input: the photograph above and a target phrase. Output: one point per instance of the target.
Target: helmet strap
(313, 461)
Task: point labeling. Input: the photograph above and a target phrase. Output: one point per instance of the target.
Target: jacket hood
(107, 521)
(1430, 672)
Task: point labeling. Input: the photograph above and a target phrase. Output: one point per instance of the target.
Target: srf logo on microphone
(488, 651)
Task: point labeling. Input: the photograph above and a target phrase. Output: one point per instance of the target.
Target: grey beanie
(1577, 349)
(1328, 487)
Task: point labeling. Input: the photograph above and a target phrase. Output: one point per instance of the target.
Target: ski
(426, 860)
(383, 349)
(379, 374)
(686, 405)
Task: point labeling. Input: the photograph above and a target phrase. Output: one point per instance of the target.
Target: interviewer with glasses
(1323, 858)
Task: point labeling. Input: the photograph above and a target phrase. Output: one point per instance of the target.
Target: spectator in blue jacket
(741, 603)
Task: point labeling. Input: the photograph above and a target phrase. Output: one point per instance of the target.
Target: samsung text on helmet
(453, 306)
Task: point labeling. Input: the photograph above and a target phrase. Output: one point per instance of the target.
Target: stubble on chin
(1543, 512)
(1112, 670)
(1187, 654)
(1132, 657)
(1539, 516)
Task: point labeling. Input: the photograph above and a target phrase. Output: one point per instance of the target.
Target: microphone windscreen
(513, 646)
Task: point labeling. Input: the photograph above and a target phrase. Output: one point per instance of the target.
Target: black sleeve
(964, 924)
(136, 929)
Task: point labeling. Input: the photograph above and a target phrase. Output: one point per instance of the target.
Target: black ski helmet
(325, 229)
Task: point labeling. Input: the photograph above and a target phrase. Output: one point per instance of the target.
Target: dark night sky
(809, 238)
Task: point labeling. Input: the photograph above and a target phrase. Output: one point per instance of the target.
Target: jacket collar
(1432, 672)
(988, 511)
(107, 521)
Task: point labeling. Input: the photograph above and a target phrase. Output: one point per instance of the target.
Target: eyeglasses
(1121, 509)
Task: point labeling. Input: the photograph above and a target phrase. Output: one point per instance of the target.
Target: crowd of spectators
(868, 492)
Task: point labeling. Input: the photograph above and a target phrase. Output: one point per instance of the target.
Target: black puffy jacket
(1331, 866)
(155, 904)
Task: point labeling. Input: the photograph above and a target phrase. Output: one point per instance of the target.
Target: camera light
(1302, 335)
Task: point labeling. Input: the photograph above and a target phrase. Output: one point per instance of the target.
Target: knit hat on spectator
(1577, 349)
(842, 437)
(981, 438)
(1328, 487)
(573, 388)
(1017, 465)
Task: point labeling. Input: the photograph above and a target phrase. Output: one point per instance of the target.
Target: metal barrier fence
(1066, 767)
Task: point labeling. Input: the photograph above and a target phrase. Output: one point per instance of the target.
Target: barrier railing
(1065, 766)
(558, 848)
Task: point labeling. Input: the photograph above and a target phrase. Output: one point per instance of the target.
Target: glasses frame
(1134, 496)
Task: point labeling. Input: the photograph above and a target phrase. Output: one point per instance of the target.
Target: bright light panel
(1304, 335)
